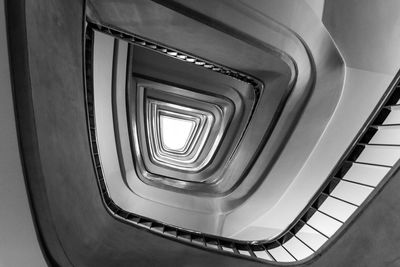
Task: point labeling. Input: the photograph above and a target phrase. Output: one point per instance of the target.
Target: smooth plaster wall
(18, 243)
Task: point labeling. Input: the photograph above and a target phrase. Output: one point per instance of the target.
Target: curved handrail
(256, 249)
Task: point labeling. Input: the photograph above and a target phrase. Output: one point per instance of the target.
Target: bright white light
(175, 132)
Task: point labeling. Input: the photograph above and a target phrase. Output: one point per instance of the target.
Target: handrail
(279, 249)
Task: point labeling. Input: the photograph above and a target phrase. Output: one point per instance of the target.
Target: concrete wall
(18, 242)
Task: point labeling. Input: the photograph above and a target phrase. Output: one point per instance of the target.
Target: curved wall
(74, 224)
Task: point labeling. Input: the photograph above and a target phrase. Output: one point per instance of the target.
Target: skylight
(175, 132)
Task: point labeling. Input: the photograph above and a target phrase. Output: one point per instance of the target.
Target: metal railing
(356, 178)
